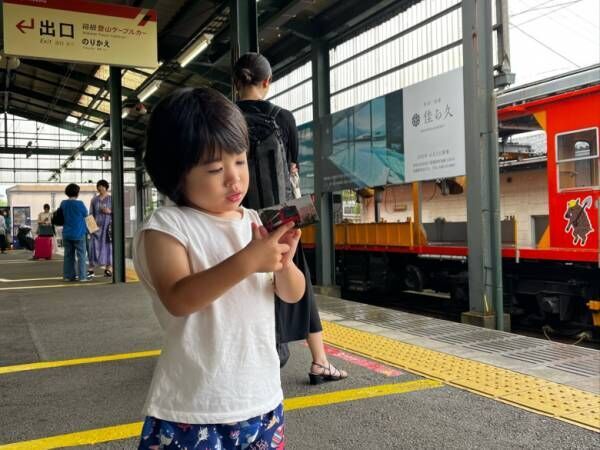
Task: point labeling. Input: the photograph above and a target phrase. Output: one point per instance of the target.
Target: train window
(577, 159)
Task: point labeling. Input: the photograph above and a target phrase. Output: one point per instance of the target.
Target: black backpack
(267, 162)
(58, 218)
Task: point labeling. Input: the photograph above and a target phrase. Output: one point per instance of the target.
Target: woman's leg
(320, 365)
(317, 348)
(91, 254)
(108, 257)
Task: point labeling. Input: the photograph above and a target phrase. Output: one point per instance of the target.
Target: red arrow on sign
(21, 26)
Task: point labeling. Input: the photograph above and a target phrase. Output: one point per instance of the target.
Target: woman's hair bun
(251, 68)
(246, 75)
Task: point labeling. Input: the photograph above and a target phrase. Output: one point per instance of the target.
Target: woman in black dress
(252, 77)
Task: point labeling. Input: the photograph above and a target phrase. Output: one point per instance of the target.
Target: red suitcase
(43, 247)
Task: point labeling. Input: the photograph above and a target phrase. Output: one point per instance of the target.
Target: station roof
(75, 96)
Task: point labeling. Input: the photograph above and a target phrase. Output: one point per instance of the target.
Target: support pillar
(483, 199)
(417, 212)
(116, 144)
(325, 261)
(244, 29)
(139, 189)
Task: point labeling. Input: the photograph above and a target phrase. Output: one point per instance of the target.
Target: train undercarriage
(548, 294)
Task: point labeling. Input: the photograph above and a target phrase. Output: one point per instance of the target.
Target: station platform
(76, 360)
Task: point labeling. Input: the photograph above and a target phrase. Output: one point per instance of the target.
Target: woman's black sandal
(107, 273)
(327, 374)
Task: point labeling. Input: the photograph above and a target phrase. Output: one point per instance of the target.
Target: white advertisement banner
(434, 128)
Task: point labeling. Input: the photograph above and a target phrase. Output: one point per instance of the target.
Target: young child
(211, 270)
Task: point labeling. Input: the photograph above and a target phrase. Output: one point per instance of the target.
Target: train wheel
(459, 294)
(414, 279)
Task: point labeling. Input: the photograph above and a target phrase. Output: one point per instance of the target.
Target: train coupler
(594, 307)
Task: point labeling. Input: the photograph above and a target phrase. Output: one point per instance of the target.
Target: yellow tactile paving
(546, 397)
(496, 382)
(589, 417)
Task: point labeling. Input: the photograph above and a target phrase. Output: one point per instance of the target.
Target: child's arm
(184, 293)
(290, 283)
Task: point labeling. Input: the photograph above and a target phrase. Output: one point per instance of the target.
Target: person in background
(45, 217)
(3, 234)
(100, 245)
(8, 222)
(74, 231)
(252, 78)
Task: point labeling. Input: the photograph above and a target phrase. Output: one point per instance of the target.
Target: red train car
(571, 121)
(556, 281)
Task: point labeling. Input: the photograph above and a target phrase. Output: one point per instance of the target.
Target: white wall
(34, 196)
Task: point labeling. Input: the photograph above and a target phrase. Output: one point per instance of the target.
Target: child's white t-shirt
(218, 365)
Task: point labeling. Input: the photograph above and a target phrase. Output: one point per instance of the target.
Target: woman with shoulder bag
(252, 77)
(3, 233)
(100, 245)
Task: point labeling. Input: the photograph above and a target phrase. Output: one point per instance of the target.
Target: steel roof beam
(49, 120)
(81, 77)
(60, 103)
(48, 82)
(50, 151)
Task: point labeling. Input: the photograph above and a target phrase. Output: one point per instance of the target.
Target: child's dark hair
(251, 68)
(102, 183)
(72, 190)
(46, 207)
(186, 128)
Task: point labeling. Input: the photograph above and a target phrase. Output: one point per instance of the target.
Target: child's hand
(265, 252)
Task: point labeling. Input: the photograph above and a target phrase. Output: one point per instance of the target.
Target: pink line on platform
(362, 362)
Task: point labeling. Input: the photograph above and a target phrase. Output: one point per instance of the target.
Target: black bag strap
(273, 111)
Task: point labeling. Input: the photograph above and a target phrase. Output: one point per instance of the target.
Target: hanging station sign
(81, 31)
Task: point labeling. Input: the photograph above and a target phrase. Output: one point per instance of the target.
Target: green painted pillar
(325, 257)
(483, 187)
(116, 143)
(244, 28)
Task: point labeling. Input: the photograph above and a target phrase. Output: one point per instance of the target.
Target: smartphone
(301, 211)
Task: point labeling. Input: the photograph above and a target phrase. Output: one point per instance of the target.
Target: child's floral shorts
(264, 432)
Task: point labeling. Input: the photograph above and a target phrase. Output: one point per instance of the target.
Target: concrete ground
(78, 321)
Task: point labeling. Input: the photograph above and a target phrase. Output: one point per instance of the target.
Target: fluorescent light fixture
(125, 112)
(102, 133)
(149, 90)
(195, 49)
(87, 145)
